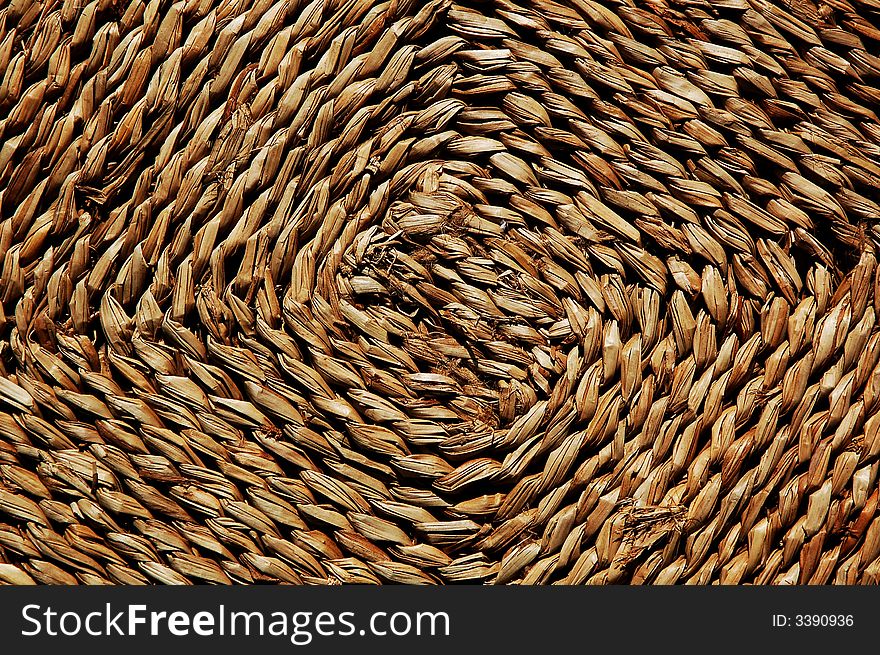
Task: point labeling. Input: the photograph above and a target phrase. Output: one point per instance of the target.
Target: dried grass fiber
(350, 291)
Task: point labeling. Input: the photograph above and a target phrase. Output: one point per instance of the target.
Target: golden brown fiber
(346, 291)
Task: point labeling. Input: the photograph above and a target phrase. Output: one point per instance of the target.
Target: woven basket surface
(505, 291)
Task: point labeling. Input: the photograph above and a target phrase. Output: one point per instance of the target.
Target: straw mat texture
(350, 291)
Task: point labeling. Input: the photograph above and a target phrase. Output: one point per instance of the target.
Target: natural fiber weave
(424, 292)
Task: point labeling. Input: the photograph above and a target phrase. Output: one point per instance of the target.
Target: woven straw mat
(361, 291)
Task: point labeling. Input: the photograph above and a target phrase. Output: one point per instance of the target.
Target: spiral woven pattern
(348, 291)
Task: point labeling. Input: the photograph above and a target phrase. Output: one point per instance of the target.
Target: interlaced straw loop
(350, 291)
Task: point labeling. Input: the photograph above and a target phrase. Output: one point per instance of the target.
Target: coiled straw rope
(423, 292)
